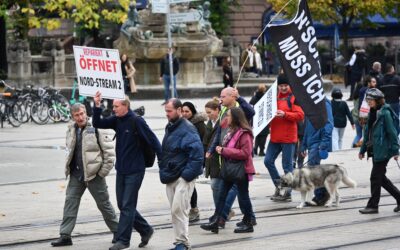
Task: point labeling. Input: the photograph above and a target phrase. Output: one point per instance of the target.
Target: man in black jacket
(165, 75)
(130, 166)
(391, 88)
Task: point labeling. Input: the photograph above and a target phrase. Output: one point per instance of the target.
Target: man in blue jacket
(318, 142)
(130, 167)
(180, 164)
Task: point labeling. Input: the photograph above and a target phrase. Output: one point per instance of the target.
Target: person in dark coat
(227, 78)
(189, 112)
(380, 143)
(181, 163)
(340, 111)
(165, 76)
(130, 166)
(391, 88)
(261, 138)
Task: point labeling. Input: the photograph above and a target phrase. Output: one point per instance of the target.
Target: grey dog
(307, 179)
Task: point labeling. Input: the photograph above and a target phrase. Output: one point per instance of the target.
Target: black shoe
(368, 210)
(396, 209)
(247, 228)
(145, 239)
(261, 153)
(213, 227)
(221, 223)
(242, 223)
(62, 241)
(119, 246)
(114, 239)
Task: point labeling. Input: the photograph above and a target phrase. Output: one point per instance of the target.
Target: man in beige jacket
(90, 157)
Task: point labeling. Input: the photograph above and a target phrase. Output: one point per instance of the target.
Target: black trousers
(378, 179)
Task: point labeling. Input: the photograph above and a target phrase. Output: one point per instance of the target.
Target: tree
(343, 13)
(219, 14)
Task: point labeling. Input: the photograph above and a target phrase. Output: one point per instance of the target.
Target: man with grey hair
(130, 132)
(90, 157)
(376, 72)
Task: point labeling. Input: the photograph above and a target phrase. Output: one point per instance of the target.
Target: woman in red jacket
(237, 145)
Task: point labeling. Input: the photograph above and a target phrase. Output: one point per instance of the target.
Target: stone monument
(145, 42)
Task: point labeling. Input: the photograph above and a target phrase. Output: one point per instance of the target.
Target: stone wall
(246, 22)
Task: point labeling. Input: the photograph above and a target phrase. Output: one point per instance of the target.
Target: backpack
(149, 154)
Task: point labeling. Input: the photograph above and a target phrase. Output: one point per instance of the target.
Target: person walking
(165, 76)
(90, 157)
(227, 78)
(237, 145)
(283, 136)
(130, 165)
(180, 165)
(381, 143)
(261, 138)
(189, 112)
(316, 144)
(376, 72)
(229, 98)
(340, 111)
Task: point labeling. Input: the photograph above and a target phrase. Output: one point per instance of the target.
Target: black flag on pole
(296, 46)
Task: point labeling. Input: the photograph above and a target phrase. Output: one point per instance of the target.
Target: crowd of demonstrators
(130, 166)
(283, 136)
(189, 112)
(381, 143)
(227, 70)
(261, 138)
(340, 111)
(237, 147)
(165, 76)
(221, 144)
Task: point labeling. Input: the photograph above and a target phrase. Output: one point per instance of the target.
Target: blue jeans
(358, 132)
(167, 84)
(313, 160)
(127, 189)
(243, 199)
(273, 150)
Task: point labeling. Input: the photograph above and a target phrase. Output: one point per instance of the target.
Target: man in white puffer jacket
(90, 157)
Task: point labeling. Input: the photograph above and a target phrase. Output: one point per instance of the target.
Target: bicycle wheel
(22, 114)
(54, 115)
(11, 117)
(39, 112)
(16, 112)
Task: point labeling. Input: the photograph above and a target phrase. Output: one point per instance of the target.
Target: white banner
(265, 110)
(99, 69)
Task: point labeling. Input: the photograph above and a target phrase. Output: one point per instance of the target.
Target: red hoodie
(284, 129)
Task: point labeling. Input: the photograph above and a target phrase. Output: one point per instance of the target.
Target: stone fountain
(144, 39)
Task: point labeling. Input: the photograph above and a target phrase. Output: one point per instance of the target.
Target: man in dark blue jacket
(130, 167)
(180, 164)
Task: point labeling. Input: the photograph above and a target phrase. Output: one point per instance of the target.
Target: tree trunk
(3, 49)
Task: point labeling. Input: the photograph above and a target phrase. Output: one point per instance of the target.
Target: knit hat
(336, 93)
(190, 106)
(282, 79)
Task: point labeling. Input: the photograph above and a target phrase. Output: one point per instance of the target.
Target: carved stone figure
(129, 26)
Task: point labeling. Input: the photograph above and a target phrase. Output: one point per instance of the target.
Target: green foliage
(219, 14)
